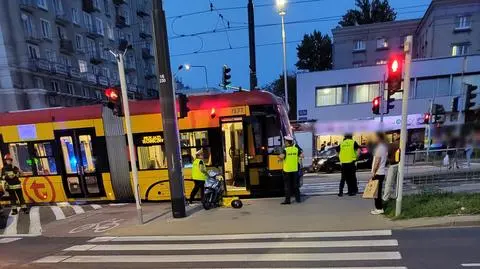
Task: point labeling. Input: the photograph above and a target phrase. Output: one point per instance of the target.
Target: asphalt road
(438, 248)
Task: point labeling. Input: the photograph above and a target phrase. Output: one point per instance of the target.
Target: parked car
(329, 162)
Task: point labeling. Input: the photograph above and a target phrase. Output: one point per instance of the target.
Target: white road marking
(35, 225)
(249, 245)
(11, 224)
(351, 256)
(58, 212)
(9, 240)
(78, 209)
(94, 206)
(244, 236)
(119, 204)
(471, 264)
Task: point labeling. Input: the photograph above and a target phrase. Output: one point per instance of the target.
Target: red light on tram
(213, 113)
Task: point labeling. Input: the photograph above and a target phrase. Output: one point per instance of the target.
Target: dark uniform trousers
(199, 186)
(349, 176)
(16, 197)
(290, 179)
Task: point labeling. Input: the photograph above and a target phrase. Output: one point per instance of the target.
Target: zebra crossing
(326, 188)
(31, 224)
(375, 249)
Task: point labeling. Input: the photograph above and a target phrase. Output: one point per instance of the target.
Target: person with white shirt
(378, 170)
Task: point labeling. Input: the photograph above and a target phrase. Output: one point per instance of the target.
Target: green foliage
(277, 87)
(369, 11)
(315, 52)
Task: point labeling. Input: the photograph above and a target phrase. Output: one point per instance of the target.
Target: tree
(315, 52)
(277, 87)
(368, 12)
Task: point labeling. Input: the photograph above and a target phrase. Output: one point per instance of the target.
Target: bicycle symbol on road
(99, 227)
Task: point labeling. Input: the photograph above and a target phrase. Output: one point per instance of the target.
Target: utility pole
(169, 114)
(251, 38)
(403, 131)
(383, 103)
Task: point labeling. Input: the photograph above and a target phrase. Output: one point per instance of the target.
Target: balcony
(145, 34)
(75, 73)
(143, 10)
(43, 65)
(28, 5)
(102, 80)
(147, 53)
(121, 21)
(119, 2)
(33, 37)
(95, 58)
(88, 6)
(59, 68)
(91, 78)
(150, 73)
(61, 18)
(66, 46)
(93, 32)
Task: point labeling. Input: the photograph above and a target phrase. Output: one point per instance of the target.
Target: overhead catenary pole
(168, 110)
(131, 149)
(251, 39)
(403, 130)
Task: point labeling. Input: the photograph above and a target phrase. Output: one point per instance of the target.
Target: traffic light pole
(131, 147)
(429, 127)
(383, 103)
(169, 114)
(403, 131)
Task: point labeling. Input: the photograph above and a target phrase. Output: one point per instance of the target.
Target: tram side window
(191, 143)
(21, 157)
(151, 157)
(44, 159)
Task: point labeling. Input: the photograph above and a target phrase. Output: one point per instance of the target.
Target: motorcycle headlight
(322, 161)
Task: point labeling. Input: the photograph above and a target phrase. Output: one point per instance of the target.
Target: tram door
(234, 154)
(80, 175)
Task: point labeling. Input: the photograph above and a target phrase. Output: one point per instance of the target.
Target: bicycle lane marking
(98, 227)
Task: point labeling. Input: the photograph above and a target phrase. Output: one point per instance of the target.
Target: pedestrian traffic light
(426, 118)
(182, 105)
(455, 104)
(226, 76)
(376, 105)
(395, 71)
(114, 101)
(470, 97)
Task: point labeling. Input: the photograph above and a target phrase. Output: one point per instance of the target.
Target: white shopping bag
(446, 160)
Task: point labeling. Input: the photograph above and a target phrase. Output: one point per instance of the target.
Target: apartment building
(56, 52)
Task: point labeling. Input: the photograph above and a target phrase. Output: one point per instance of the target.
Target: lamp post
(187, 67)
(281, 7)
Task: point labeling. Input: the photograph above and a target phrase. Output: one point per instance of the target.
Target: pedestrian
(329, 146)
(348, 157)
(199, 175)
(322, 147)
(452, 154)
(11, 174)
(392, 173)
(378, 170)
(290, 156)
(469, 151)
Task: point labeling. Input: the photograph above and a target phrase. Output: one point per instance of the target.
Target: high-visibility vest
(397, 155)
(197, 173)
(347, 151)
(290, 163)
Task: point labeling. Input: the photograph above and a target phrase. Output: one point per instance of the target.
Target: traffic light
(395, 71)
(390, 100)
(182, 105)
(226, 76)
(376, 105)
(470, 97)
(426, 118)
(114, 101)
(455, 104)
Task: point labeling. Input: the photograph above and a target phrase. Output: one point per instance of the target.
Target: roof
(199, 102)
(390, 25)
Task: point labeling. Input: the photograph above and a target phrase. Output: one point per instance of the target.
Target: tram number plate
(238, 111)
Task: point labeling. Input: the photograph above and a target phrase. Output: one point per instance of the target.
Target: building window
(92, 50)
(28, 27)
(460, 49)
(107, 7)
(363, 93)
(359, 45)
(42, 4)
(358, 64)
(70, 88)
(82, 64)
(39, 83)
(46, 29)
(79, 42)
(330, 96)
(458, 83)
(381, 61)
(86, 92)
(33, 52)
(126, 14)
(87, 20)
(44, 159)
(463, 22)
(129, 38)
(61, 32)
(382, 43)
(431, 87)
(51, 55)
(99, 24)
(75, 16)
(55, 86)
(58, 6)
(110, 32)
(97, 4)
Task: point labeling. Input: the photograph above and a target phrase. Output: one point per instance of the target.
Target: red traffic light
(376, 102)
(111, 94)
(426, 118)
(394, 66)
(376, 105)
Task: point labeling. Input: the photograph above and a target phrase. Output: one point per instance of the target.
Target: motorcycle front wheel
(207, 201)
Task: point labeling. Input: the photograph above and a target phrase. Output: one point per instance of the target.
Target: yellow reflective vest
(348, 153)
(290, 163)
(197, 173)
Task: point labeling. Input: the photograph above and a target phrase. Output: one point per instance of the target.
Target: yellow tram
(80, 153)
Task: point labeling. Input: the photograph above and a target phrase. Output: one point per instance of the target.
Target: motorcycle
(214, 190)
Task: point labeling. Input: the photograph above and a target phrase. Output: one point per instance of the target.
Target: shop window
(363, 93)
(21, 158)
(191, 143)
(44, 159)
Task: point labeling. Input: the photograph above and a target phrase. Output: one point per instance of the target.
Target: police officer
(290, 156)
(11, 174)
(199, 175)
(348, 157)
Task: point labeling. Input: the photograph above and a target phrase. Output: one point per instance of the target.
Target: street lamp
(281, 7)
(187, 67)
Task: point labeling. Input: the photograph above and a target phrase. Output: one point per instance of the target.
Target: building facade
(56, 52)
